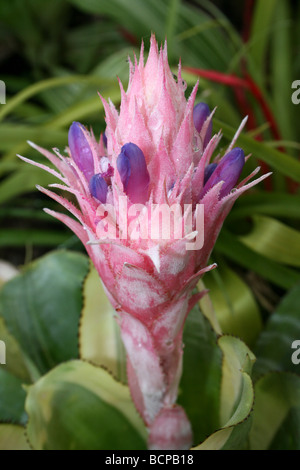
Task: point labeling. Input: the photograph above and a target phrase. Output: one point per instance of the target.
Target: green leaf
(78, 406)
(99, 334)
(229, 245)
(234, 304)
(281, 70)
(274, 346)
(13, 139)
(275, 240)
(277, 402)
(279, 161)
(260, 32)
(135, 15)
(271, 204)
(38, 237)
(237, 396)
(12, 437)
(42, 306)
(208, 310)
(171, 24)
(201, 379)
(43, 85)
(23, 181)
(15, 362)
(12, 399)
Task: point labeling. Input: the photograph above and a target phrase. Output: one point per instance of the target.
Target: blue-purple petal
(98, 188)
(228, 170)
(200, 114)
(80, 150)
(104, 139)
(132, 167)
(124, 168)
(209, 171)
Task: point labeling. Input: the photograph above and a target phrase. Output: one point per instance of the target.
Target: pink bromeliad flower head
(156, 154)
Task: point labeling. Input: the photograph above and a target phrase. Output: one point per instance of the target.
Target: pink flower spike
(151, 181)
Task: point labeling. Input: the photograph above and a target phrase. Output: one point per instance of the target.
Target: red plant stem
(247, 83)
(219, 77)
(253, 87)
(128, 36)
(245, 108)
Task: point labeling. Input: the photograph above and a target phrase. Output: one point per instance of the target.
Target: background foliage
(54, 57)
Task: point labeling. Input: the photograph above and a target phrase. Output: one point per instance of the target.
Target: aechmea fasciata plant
(156, 155)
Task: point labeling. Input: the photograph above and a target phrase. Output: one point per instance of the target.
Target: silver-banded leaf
(78, 406)
(99, 334)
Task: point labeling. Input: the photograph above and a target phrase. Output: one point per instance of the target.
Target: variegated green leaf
(12, 437)
(99, 334)
(41, 308)
(78, 406)
(237, 396)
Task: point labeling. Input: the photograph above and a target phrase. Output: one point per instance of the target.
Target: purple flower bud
(131, 165)
(98, 188)
(228, 170)
(104, 139)
(200, 114)
(80, 150)
(209, 171)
